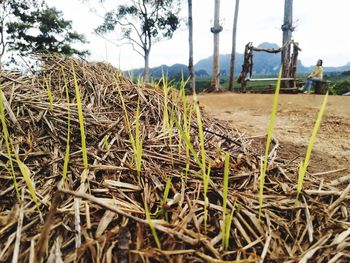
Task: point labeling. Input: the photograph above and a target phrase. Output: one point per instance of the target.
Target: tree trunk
(287, 29)
(233, 52)
(190, 41)
(216, 59)
(146, 69)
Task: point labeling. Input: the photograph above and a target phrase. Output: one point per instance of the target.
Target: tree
(216, 30)
(31, 26)
(190, 40)
(233, 52)
(142, 23)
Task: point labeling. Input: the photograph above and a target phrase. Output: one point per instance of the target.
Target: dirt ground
(296, 116)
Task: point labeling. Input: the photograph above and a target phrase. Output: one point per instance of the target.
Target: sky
(318, 30)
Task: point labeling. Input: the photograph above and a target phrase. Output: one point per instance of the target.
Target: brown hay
(109, 224)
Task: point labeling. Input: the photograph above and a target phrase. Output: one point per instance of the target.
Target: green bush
(340, 88)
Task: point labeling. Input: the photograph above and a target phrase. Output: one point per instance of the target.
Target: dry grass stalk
(114, 181)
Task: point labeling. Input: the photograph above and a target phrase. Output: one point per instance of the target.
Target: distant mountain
(264, 64)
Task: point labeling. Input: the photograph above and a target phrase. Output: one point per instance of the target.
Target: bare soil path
(250, 114)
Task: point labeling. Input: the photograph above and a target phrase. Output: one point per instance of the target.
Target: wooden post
(233, 52)
(247, 66)
(190, 40)
(287, 29)
(294, 63)
(216, 59)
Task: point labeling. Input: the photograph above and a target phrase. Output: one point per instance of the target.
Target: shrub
(341, 88)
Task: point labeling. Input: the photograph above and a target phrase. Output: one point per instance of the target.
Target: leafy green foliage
(340, 88)
(30, 27)
(147, 18)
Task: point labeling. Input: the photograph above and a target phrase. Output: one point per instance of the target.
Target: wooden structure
(289, 80)
(321, 87)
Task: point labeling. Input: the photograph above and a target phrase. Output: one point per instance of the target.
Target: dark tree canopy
(31, 26)
(142, 23)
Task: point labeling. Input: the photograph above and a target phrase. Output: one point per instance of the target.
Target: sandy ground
(296, 116)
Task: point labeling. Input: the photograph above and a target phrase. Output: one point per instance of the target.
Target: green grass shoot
(186, 122)
(184, 105)
(136, 142)
(151, 225)
(26, 175)
(105, 142)
(227, 224)
(81, 123)
(187, 127)
(66, 156)
(304, 164)
(171, 126)
(165, 108)
(188, 143)
(165, 196)
(7, 142)
(166, 190)
(131, 75)
(268, 141)
(168, 122)
(205, 173)
(206, 178)
(49, 93)
(201, 135)
(140, 80)
(225, 217)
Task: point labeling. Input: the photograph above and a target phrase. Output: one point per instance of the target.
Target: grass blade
(224, 202)
(165, 108)
(136, 143)
(26, 175)
(188, 143)
(81, 124)
(66, 156)
(268, 141)
(304, 164)
(165, 196)
(201, 135)
(205, 175)
(166, 190)
(7, 141)
(151, 225)
(49, 93)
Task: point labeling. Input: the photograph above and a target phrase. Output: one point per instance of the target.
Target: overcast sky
(321, 30)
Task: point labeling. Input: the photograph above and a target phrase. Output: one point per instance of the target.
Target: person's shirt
(317, 73)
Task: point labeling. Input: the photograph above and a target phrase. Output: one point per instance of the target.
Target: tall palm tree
(216, 29)
(233, 52)
(190, 40)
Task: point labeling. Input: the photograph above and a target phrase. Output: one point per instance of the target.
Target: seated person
(316, 75)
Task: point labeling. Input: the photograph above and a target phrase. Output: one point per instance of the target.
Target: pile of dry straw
(98, 215)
